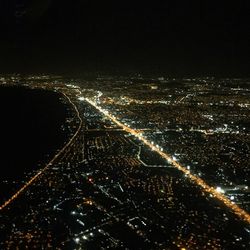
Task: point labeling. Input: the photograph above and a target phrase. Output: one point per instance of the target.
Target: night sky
(174, 37)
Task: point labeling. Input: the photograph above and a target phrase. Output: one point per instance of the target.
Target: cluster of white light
(77, 240)
(84, 237)
(220, 190)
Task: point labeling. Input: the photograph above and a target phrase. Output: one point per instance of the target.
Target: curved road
(34, 178)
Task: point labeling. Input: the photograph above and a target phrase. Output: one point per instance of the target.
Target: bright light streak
(210, 190)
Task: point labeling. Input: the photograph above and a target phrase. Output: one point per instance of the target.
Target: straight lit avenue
(237, 210)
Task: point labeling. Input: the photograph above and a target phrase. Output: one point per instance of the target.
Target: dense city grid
(150, 163)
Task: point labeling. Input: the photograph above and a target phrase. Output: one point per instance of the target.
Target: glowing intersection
(197, 180)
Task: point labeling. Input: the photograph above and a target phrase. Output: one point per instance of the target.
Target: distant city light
(109, 174)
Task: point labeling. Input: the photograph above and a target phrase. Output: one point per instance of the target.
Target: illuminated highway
(212, 191)
(34, 178)
(236, 209)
